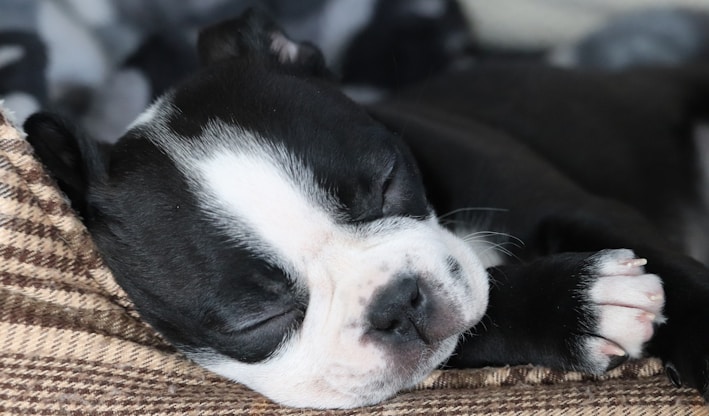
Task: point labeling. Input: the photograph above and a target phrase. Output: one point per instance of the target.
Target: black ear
(72, 159)
(255, 35)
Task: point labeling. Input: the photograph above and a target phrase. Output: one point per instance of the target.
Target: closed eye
(394, 190)
(282, 318)
(388, 190)
(401, 196)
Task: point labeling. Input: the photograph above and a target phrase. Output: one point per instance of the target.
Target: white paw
(627, 304)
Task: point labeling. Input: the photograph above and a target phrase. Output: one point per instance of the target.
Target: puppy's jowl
(283, 236)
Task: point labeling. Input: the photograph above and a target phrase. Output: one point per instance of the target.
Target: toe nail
(655, 297)
(613, 350)
(633, 262)
(673, 375)
(648, 316)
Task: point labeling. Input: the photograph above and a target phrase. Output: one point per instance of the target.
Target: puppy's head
(274, 232)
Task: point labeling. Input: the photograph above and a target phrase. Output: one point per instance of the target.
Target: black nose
(398, 311)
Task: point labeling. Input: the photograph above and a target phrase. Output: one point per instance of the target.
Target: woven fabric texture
(72, 343)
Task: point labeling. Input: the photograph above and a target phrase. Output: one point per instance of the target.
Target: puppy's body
(277, 234)
(633, 138)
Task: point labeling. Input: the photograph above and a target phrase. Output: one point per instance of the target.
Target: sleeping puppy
(328, 255)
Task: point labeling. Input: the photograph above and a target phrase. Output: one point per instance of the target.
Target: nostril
(416, 298)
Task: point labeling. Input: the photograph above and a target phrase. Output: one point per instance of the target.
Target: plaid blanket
(72, 343)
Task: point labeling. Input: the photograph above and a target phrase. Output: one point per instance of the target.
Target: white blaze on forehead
(258, 192)
(267, 196)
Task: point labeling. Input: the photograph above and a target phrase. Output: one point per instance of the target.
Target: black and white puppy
(280, 235)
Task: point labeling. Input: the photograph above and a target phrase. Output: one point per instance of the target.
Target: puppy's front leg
(569, 311)
(683, 342)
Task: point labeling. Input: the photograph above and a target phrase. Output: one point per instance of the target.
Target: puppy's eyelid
(388, 179)
(393, 190)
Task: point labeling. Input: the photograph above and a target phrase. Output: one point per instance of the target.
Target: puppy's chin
(304, 379)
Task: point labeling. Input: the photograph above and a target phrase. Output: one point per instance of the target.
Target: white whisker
(497, 247)
(481, 235)
(459, 210)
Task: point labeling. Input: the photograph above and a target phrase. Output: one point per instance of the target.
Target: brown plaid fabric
(71, 342)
